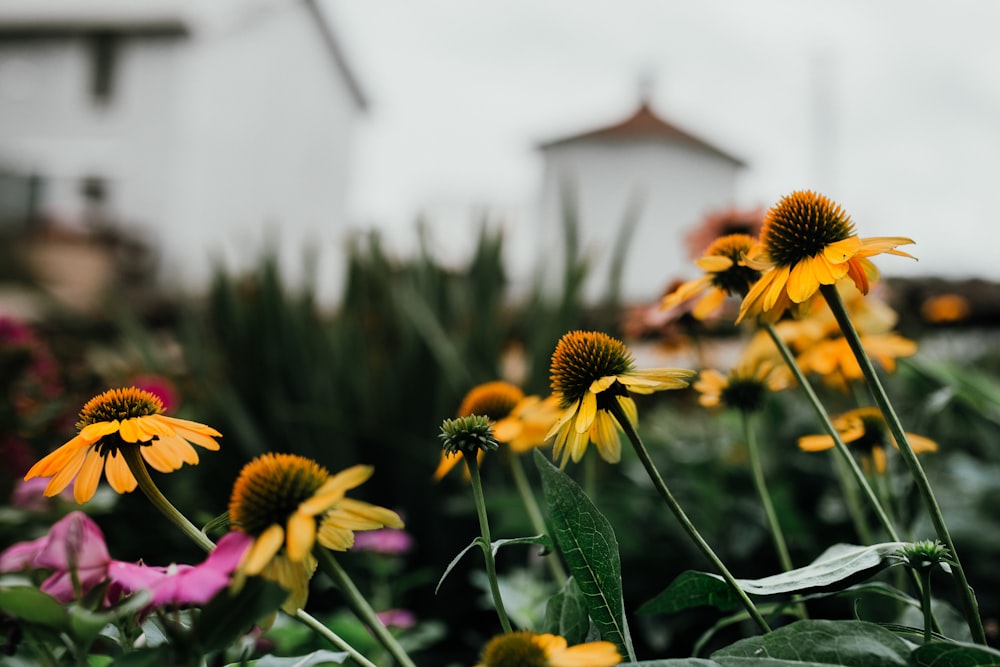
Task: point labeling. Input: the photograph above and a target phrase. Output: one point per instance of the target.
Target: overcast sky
(891, 108)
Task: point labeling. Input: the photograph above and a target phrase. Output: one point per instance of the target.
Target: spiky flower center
(744, 393)
(469, 434)
(514, 649)
(270, 488)
(495, 400)
(120, 404)
(581, 357)
(737, 279)
(801, 225)
(925, 554)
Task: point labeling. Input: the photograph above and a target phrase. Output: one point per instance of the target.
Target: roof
(175, 18)
(643, 125)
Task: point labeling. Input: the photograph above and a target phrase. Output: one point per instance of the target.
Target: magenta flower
(159, 386)
(387, 541)
(180, 585)
(75, 544)
(403, 619)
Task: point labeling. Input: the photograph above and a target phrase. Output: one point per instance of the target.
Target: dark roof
(644, 124)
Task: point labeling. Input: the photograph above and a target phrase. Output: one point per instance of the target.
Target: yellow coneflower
(591, 372)
(725, 275)
(744, 388)
(834, 361)
(520, 422)
(807, 241)
(110, 423)
(288, 503)
(866, 430)
(529, 649)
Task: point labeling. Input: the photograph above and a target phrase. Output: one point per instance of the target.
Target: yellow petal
(586, 413)
(802, 282)
(708, 304)
(841, 251)
(128, 431)
(94, 432)
(919, 444)
(160, 457)
(605, 435)
(56, 460)
(119, 476)
(264, 549)
(779, 279)
(815, 443)
(601, 384)
(628, 407)
(714, 263)
(300, 536)
(186, 424)
(68, 472)
(88, 477)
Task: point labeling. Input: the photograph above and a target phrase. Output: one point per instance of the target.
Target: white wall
(263, 161)
(677, 186)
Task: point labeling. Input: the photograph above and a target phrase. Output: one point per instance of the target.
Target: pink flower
(159, 386)
(397, 618)
(74, 544)
(179, 585)
(387, 541)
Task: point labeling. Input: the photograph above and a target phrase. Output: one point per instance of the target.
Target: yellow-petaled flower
(288, 503)
(725, 275)
(866, 430)
(108, 424)
(592, 372)
(520, 422)
(529, 649)
(807, 241)
(834, 360)
(744, 388)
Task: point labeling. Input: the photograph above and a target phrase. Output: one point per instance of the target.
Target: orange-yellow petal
(119, 476)
(300, 536)
(815, 443)
(56, 460)
(88, 477)
(587, 412)
(68, 472)
(264, 548)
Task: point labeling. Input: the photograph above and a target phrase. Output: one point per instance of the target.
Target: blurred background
(315, 224)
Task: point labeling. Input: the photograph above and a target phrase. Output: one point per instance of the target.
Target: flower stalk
(757, 471)
(160, 502)
(966, 594)
(678, 511)
(359, 605)
(484, 529)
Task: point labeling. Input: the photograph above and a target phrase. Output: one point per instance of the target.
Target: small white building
(645, 170)
(211, 129)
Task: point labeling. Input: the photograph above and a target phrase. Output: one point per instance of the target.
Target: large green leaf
(566, 614)
(955, 654)
(673, 662)
(836, 568)
(816, 643)
(321, 657)
(588, 543)
(32, 605)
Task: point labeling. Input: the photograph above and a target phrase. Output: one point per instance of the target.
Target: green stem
(138, 467)
(831, 430)
(674, 506)
(308, 620)
(925, 603)
(968, 597)
(757, 470)
(359, 605)
(534, 514)
(484, 530)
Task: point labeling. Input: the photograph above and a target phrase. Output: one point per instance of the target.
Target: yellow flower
(725, 274)
(592, 373)
(529, 649)
(807, 241)
(288, 503)
(865, 429)
(834, 361)
(744, 388)
(111, 422)
(521, 422)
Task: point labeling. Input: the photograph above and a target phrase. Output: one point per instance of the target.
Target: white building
(643, 169)
(212, 129)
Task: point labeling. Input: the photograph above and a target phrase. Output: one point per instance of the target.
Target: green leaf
(321, 657)
(816, 643)
(454, 561)
(227, 616)
(955, 654)
(692, 589)
(673, 662)
(588, 543)
(566, 614)
(32, 605)
(85, 624)
(836, 568)
(540, 540)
